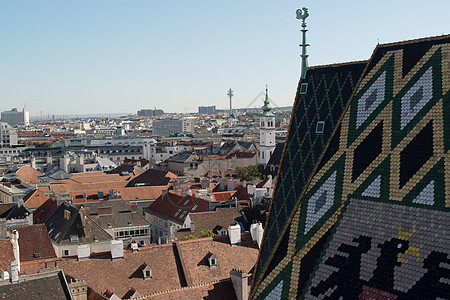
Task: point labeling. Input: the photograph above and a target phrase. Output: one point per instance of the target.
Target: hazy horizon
(107, 56)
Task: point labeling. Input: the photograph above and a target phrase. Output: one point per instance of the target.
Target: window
(303, 88)
(65, 253)
(320, 127)
(262, 123)
(195, 207)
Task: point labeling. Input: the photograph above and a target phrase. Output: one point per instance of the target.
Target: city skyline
(117, 57)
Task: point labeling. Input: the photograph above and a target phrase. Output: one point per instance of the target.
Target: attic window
(130, 223)
(36, 255)
(74, 238)
(303, 88)
(320, 127)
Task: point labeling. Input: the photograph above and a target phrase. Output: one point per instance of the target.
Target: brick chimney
(84, 220)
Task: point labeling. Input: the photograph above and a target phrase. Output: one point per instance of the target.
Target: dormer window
(212, 259)
(303, 88)
(146, 271)
(320, 127)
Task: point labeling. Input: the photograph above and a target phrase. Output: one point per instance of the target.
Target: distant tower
(302, 14)
(230, 94)
(266, 132)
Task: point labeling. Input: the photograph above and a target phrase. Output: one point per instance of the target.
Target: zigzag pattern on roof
(372, 221)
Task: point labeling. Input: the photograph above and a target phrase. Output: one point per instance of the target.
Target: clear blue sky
(74, 57)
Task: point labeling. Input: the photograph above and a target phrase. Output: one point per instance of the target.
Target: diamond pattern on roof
(385, 234)
(416, 98)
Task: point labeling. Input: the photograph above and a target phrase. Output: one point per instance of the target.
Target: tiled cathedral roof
(370, 217)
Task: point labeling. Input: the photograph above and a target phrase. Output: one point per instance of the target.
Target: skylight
(176, 214)
(195, 206)
(186, 202)
(182, 215)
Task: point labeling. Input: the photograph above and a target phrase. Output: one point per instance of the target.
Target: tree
(248, 173)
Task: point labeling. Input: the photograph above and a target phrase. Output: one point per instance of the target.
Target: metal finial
(302, 14)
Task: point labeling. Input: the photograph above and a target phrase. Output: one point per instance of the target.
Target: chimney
(84, 252)
(234, 233)
(222, 184)
(256, 232)
(134, 247)
(192, 226)
(84, 197)
(67, 214)
(78, 289)
(163, 194)
(84, 221)
(3, 231)
(14, 238)
(239, 279)
(116, 250)
(100, 194)
(13, 271)
(205, 183)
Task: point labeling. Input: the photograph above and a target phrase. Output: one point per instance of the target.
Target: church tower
(266, 132)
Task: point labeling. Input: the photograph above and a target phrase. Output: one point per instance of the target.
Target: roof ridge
(430, 38)
(339, 64)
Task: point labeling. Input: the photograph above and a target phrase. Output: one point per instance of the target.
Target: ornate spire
(302, 14)
(267, 109)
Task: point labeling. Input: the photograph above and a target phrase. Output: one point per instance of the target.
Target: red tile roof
(34, 239)
(28, 174)
(6, 254)
(178, 207)
(194, 254)
(100, 273)
(35, 199)
(44, 211)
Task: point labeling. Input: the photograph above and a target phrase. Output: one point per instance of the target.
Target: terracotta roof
(241, 193)
(35, 199)
(120, 276)
(6, 254)
(141, 192)
(41, 214)
(222, 290)
(222, 196)
(34, 239)
(194, 254)
(28, 174)
(101, 274)
(177, 207)
(205, 221)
